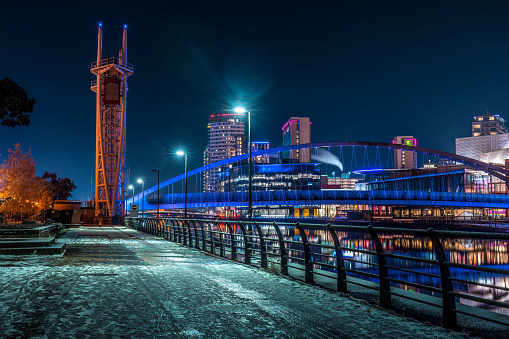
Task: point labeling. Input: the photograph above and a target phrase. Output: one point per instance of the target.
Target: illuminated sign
(410, 142)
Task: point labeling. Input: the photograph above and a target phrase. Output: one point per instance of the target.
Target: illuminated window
(479, 119)
(477, 126)
(493, 133)
(477, 134)
(492, 118)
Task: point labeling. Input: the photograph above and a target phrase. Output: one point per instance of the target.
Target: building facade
(226, 139)
(402, 158)
(260, 146)
(296, 131)
(488, 124)
(474, 147)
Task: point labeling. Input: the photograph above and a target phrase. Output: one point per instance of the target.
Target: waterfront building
(488, 124)
(296, 131)
(271, 177)
(404, 158)
(226, 139)
(474, 147)
(260, 146)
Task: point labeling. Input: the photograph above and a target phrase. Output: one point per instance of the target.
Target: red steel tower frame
(111, 89)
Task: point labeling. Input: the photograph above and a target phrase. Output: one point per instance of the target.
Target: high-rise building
(110, 87)
(296, 131)
(488, 124)
(260, 146)
(226, 139)
(405, 158)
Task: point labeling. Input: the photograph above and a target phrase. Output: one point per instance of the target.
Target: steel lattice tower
(111, 89)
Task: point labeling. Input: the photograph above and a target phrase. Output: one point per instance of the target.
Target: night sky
(360, 70)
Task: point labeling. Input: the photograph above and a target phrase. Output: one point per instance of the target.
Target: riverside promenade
(115, 282)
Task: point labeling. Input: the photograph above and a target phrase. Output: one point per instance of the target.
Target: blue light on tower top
(125, 26)
(100, 24)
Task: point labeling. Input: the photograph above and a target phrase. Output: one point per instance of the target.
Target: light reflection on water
(492, 253)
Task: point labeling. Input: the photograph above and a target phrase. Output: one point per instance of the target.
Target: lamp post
(140, 181)
(185, 181)
(157, 192)
(131, 187)
(250, 161)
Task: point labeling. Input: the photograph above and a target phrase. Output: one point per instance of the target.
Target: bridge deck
(116, 282)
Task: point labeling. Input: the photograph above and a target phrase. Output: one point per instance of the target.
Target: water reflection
(476, 252)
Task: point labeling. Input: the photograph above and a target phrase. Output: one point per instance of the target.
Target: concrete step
(48, 250)
(26, 242)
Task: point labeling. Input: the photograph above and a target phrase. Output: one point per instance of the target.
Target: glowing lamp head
(180, 153)
(239, 110)
(139, 181)
(125, 26)
(131, 187)
(100, 24)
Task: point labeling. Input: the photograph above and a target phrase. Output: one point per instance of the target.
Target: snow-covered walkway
(115, 282)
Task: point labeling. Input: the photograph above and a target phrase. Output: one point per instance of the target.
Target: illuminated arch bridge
(441, 179)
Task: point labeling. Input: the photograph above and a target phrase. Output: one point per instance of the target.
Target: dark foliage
(61, 188)
(15, 106)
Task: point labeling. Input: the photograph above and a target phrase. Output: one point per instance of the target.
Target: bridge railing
(300, 254)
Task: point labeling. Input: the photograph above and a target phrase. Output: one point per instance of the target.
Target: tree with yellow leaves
(26, 193)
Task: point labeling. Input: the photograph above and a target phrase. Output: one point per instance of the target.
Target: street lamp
(131, 187)
(250, 161)
(157, 192)
(140, 181)
(185, 181)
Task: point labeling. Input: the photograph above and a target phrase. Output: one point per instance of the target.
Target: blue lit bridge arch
(370, 155)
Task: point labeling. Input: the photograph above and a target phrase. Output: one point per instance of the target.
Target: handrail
(112, 60)
(236, 241)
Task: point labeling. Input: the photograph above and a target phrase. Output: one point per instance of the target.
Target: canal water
(477, 252)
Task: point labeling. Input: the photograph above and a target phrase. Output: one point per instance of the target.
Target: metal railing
(261, 244)
(113, 60)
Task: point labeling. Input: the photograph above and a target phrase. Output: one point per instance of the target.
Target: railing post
(184, 238)
(190, 237)
(203, 239)
(282, 250)
(221, 243)
(196, 241)
(232, 240)
(263, 248)
(212, 241)
(340, 263)
(449, 316)
(308, 276)
(247, 248)
(383, 272)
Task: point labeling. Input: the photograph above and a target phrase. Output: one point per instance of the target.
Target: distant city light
(239, 110)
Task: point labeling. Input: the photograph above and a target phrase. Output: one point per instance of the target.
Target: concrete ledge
(49, 250)
(26, 242)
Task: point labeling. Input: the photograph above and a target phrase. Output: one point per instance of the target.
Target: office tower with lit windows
(488, 124)
(489, 134)
(226, 139)
(296, 131)
(403, 158)
(260, 146)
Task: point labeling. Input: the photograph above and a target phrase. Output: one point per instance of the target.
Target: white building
(473, 147)
(226, 139)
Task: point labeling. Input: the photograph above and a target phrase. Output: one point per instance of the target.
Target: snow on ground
(116, 282)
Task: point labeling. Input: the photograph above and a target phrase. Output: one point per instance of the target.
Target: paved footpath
(115, 282)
